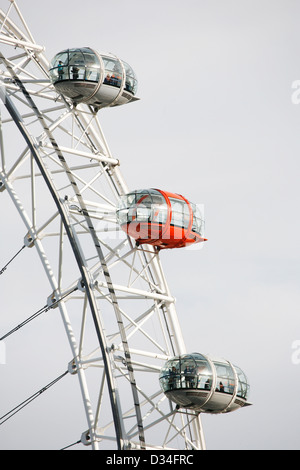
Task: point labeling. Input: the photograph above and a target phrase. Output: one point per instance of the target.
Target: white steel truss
(65, 185)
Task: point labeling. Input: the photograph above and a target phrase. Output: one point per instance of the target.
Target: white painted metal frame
(65, 185)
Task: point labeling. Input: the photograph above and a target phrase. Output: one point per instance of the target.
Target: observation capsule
(85, 76)
(196, 382)
(161, 219)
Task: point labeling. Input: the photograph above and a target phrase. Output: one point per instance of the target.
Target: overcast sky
(218, 123)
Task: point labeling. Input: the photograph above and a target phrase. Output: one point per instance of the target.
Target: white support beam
(140, 293)
(91, 156)
(19, 43)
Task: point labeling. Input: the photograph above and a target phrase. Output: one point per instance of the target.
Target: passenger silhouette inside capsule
(161, 219)
(197, 382)
(85, 76)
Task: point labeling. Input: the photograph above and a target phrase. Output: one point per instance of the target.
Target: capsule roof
(86, 76)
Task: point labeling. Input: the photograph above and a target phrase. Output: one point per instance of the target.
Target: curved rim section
(76, 250)
(144, 265)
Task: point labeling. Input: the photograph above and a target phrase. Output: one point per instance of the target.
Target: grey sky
(216, 123)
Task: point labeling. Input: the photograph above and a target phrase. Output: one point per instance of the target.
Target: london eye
(99, 245)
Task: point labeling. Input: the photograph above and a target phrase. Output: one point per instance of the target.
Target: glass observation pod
(161, 219)
(85, 76)
(196, 382)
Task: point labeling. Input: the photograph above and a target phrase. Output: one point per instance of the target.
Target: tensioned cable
(26, 402)
(72, 445)
(45, 309)
(6, 266)
(28, 320)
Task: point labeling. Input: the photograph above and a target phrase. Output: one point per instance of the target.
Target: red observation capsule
(160, 219)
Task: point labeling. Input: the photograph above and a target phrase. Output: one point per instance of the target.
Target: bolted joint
(81, 286)
(73, 367)
(53, 300)
(88, 437)
(94, 285)
(29, 240)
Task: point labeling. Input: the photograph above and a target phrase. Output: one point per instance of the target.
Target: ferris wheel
(99, 244)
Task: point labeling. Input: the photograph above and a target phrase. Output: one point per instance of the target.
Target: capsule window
(63, 58)
(225, 378)
(75, 65)
(113, 72)
(198, 223)
(204, 375)
(159, 213)
(142, 207)
(180, 213)
(59, 67)
(170, 376)
(143, 214)
(92, 67)
(131, 81)
(243, 386)
(186, 373)
(189, 378)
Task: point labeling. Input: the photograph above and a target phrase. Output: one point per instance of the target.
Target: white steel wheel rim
(65, 149)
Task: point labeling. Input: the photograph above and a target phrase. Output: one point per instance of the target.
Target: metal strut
(84, 272)
(12, 259)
